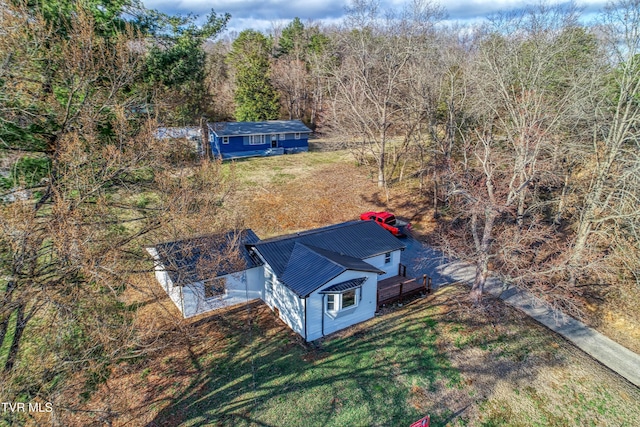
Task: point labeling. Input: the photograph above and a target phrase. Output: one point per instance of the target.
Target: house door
(274, 141)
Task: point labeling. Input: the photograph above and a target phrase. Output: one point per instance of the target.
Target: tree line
(522, 131)
(86, 186)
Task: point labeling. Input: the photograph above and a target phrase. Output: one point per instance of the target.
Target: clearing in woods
(438, 354)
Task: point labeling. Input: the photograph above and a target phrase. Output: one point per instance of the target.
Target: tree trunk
(381, 180)
(483, 248)
(482, 271)
(435, 194)
(591, 202)
(562, 202)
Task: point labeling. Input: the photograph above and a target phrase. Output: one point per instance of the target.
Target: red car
(388, 221)
(422, 423)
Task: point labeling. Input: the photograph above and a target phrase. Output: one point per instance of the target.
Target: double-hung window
(331, 302)
(297, 135)
(256, 139)
(225, 139)
(387, 258)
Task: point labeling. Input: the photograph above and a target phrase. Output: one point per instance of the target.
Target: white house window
(342, 301)
(349, 299)
(225, 139)
(215, 288)
(387, 258)
(297, 135)
(283, 136)
(256, 139)
(331, 302)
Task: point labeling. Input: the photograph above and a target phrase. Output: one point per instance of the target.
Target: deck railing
(396, 288)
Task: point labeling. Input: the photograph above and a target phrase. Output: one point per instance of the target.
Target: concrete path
(421, 259)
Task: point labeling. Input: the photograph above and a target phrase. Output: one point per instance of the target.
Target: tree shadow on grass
(388, 371)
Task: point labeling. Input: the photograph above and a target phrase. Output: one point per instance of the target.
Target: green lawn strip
(360, 379)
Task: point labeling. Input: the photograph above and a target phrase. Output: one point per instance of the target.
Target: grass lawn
(438, 355)
(268, 377)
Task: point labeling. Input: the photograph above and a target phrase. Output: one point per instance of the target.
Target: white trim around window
(225, 139)
(215, 288)
(256, 139)
(338, 302)
(297, 135)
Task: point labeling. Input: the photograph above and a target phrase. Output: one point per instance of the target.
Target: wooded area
(523, 131)
(522, 134)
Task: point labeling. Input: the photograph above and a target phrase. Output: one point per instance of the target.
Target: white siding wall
(240, 288)
(174, 292)
(390, 269)
(365, 309)
(289, 305)
(190, 300)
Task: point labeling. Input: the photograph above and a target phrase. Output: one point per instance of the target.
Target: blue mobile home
(246, 139)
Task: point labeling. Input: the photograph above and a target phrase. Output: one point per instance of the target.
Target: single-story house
(318, 281)
(247, 139)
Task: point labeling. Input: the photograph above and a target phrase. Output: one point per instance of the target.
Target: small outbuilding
(210, 272)
(190, 134)
(249, 139)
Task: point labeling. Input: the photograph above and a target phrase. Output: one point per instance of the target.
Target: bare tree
(72, 241)
(609, 203)
(518, 112)
(374, 57)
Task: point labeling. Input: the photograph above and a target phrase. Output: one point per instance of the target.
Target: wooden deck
(397, 287)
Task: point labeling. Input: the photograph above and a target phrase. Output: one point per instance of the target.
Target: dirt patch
(296, 199)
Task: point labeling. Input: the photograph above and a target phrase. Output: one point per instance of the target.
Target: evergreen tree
(176, 63)
(255, 97)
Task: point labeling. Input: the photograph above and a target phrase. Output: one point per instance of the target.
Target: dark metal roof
(307, 270)
(357, 239)
(258, 128)
(299, 258)
(310, 267)
(344, 286)
(348, 262)
(206, 257)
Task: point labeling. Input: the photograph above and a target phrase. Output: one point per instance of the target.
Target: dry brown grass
(515, 372)
(618, 316)
(292, 193)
